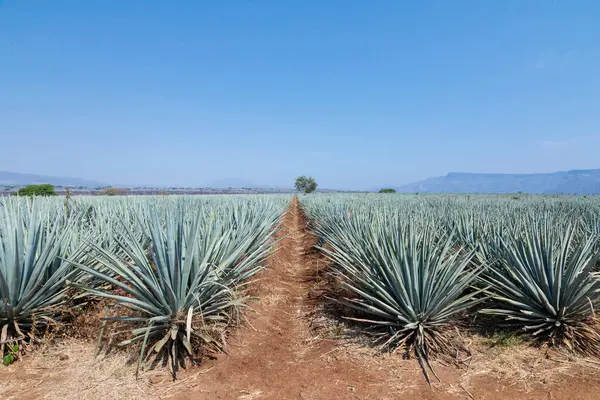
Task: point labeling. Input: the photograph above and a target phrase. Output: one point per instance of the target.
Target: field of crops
(171, 272)
(416, 265)
(174, 267)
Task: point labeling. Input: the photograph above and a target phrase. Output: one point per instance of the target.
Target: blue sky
(359, 94)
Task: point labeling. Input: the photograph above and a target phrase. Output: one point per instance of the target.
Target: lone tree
(37, 190)
(306, 184)
(387, 190)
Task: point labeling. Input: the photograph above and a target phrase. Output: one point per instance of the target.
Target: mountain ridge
(575, 181)
(15, 178)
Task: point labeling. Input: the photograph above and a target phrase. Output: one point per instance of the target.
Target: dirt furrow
(277, 355)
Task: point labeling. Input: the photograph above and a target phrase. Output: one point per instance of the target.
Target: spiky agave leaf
(410, 282)
(34, 236)
(544, 285)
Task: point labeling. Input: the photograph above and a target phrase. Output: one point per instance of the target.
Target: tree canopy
(37, 190)
(387, 190)
(306, 184)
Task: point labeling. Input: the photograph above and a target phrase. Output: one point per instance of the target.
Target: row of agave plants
(173, 268)
(416, 265)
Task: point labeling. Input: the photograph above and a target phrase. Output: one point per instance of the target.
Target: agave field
(418, 265)
(172, 268)
(171, 272)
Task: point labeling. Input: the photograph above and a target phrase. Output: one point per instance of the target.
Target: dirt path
(277, 356)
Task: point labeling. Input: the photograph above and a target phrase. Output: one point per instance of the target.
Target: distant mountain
(568, 182)
(14, 178)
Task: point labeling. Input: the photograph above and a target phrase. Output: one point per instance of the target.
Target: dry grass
(505, 358)
(523, 365)
(67, 370)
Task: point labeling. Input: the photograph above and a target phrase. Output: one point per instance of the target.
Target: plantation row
(174, 266)
(414, 265)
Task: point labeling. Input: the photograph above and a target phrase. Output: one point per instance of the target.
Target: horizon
(226, 183)
(357, 95)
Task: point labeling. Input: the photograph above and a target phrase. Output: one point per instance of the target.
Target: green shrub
(387, 190)
(37, 190)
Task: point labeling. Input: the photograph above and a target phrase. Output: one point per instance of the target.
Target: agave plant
(544, 285)
(592, 226)
(181, 290)
(409, 281)
(34, 237)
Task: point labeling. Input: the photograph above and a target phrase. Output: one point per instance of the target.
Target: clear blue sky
(356, 93)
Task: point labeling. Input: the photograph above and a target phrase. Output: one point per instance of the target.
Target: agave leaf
(4, 334)
(188, 324)
(186, 343)
(143, 349)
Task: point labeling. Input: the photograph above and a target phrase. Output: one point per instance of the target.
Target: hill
(562, 182)
(16, 179)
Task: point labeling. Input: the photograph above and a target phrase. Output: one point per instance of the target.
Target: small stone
(63, 357)
(155, 379)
